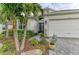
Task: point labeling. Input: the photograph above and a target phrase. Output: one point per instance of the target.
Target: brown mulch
(28, 46)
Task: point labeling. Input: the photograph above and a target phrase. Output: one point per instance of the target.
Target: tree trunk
(24, 37)
(16, 35)
(6, 28)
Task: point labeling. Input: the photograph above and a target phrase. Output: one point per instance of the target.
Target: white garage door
(64, 28)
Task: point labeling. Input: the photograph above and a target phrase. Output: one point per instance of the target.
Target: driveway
(66, 46)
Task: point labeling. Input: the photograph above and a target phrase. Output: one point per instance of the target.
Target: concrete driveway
(66, 46)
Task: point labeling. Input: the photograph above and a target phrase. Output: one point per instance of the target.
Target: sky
(60, 6)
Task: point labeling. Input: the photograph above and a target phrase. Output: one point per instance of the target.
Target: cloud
(61, 6)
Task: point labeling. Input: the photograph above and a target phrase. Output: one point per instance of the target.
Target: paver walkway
(32, 52)
(66, 47)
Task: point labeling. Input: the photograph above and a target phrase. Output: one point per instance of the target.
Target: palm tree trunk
(24, 37)
(16, 35)
(6, 28)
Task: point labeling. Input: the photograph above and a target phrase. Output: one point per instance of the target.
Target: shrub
(34, 42)
(10, 31)
(1, 36)
(43, 42)
(42, 34)
(30, 33)
(3, 33)
(20, 34)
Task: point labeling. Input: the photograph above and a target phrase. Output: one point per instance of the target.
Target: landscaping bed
(34, 44)
(8, 47)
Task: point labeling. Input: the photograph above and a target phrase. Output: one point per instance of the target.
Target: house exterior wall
(33, 25)
(64, 24)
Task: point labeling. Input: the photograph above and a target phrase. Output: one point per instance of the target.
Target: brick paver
(66, 46)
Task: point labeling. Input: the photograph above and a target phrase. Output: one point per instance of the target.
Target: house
(64, 23)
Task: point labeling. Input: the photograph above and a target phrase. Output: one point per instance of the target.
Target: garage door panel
(65, 28)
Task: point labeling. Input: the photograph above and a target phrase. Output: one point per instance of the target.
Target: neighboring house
(64, 23)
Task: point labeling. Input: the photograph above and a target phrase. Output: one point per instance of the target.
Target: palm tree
(13, 11)
(5, 14)
(28, 9)
(10, 10)
(14, 8)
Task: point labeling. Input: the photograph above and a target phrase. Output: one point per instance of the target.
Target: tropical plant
(13, 12)
(42, 34)
(43, 42)
(34, 42)
(5, 14)
(30, 33)
(35, 9)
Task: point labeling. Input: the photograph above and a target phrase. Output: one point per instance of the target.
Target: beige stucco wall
(63, 25)
(32, 25)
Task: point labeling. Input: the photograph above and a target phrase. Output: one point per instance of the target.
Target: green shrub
(3, 32)
(43, 42)
(1, 36)
(10, 31)
(21, 31)
(34, 42)
(30, 33)
(42, 34)
(20, 34)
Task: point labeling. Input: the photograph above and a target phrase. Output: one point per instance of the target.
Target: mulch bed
(28, 46)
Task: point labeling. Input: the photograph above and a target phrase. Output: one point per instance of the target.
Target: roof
(62, 12)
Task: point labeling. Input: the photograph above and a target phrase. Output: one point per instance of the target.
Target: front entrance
(41, 27)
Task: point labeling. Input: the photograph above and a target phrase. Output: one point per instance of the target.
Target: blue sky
(60, 6)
